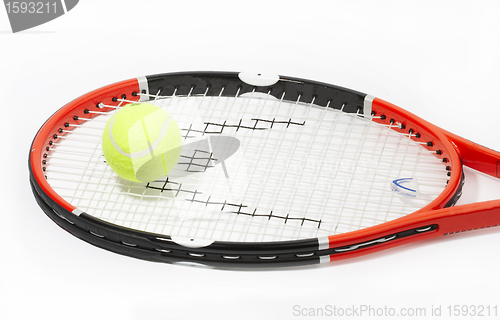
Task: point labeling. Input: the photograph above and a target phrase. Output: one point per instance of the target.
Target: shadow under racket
(195, 157)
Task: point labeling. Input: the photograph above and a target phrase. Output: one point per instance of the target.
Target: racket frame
(436, 219)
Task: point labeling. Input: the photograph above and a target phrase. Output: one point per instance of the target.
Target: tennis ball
(141, 142)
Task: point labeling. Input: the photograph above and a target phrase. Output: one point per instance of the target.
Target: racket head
(164, 246)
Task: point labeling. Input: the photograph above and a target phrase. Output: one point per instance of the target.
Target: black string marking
(240, 207)
(272, 215)
(207, 202)
(268, 124)
(186, 136)
(288, 123)
(200, 163)
(177, 189)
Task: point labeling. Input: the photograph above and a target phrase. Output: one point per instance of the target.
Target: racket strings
(301, 171)
(404, 160)
(189, 195)
(357, 160)
(247, 229)
(287, 168)
(90, 168)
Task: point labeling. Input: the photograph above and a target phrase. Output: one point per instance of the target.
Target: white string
(312, 171)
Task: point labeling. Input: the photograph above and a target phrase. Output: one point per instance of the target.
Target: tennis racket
(274, 171)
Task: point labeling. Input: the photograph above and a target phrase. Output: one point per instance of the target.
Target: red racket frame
(451, 148)
(456, 219)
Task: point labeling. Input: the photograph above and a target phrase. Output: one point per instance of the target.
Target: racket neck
(476, 156)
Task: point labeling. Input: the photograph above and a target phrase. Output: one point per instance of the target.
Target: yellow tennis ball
(141, 142)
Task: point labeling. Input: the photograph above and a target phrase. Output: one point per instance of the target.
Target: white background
(438, 59)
